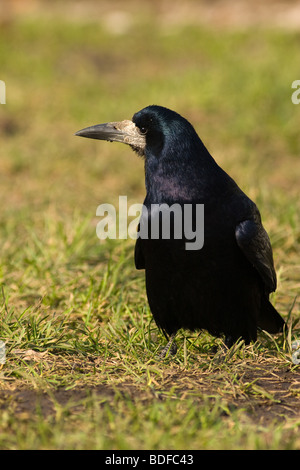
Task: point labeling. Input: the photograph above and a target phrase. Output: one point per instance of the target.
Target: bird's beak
(123, 131)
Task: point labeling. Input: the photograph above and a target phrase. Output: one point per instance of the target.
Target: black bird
(224, 286)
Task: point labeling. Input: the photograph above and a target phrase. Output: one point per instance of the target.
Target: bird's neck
(182, 178)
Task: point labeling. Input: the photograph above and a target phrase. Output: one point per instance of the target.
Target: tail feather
(270, 320)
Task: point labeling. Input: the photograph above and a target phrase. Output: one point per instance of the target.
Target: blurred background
(226, 65)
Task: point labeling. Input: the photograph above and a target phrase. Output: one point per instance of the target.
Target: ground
(82, 368)
(278, 391)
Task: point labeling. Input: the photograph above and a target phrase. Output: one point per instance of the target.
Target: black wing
(254, 242)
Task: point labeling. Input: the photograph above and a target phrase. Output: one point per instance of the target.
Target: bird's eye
(143, 130)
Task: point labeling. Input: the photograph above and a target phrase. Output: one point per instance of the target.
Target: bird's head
(176, 160)
(154, 130)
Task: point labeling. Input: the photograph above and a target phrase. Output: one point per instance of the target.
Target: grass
(82, 369)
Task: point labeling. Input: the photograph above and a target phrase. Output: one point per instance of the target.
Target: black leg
(229, 341)
(171, 347)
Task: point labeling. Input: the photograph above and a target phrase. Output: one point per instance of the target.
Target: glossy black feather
(223, 287)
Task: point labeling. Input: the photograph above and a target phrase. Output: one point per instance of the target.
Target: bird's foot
(229, 341)
(170, 348)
